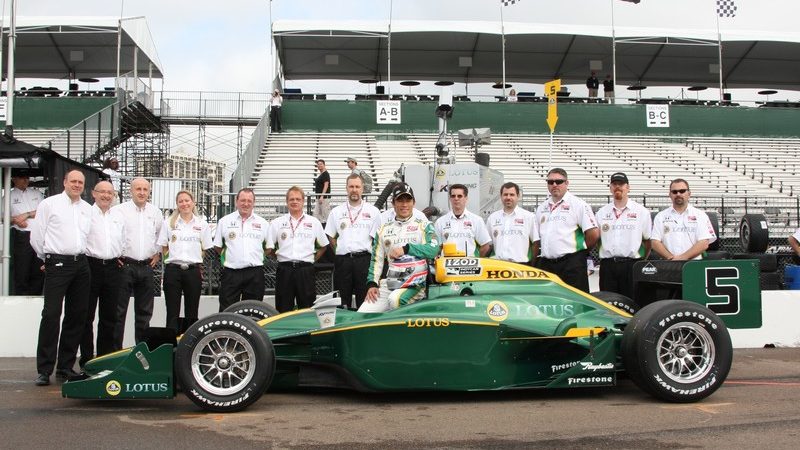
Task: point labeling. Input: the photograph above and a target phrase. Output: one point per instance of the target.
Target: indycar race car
(485, 324)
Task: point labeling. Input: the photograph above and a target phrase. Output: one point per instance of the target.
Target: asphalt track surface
(757, 407)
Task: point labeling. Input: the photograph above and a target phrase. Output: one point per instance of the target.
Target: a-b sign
(658, 116)
(387, 111)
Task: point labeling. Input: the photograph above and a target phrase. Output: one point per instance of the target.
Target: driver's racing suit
(418, 239)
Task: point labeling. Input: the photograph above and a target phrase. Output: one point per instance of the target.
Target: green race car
(485, 325)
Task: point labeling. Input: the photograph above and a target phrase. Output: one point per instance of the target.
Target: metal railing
(84, 138)
(247, 163)
(131, 87)
(221, 105)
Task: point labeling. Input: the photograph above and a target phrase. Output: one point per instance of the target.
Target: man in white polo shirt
(681, 232)
(28, 277)
(240, 239)
(462, 227)
(297, 240)
(513, 230)
(567, 229)
(351, 227)
(624, 237)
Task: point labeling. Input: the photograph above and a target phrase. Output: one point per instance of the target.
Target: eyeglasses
(104, 192)
(558, 182)
(679, 191)
(457, 196)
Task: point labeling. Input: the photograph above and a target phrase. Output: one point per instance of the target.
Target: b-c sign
(657, 116)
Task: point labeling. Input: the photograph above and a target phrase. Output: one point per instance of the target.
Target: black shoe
(66, 374)
(42, 380)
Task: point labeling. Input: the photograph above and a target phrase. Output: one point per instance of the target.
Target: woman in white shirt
(275, 111)
(184, 238)
(512, 95)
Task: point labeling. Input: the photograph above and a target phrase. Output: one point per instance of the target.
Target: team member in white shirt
(462, 227)
(140, 254)
(240, 239)
(184, 239)
(681, 232)
(103, 249)
(59, 238)
(513, 229)
(794, 242)
(297, 240)
(28, 278)
(567, 230)
(351, 228)
(624, 237)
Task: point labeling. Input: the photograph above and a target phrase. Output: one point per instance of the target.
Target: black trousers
(67, 283)
(103, 296)
(179, 282)
(350, 277)
(240, 284)
(616, 275)
(571, 268)
(27, 267)
(294, 283)
(136, 279)
(275, 118)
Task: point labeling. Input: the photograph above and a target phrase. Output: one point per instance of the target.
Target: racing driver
(406, 243)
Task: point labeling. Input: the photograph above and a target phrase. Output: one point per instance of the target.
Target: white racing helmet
(405, 272)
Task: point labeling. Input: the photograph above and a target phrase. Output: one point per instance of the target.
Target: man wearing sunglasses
(568, 230)
(624, 237)
(681, 232)
(462, 227)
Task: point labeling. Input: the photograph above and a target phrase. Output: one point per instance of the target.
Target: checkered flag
(508, 2)
(726, 8)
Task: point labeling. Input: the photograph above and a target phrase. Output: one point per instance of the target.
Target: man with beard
(513, 230)
(624, 237)
(351, 227)
(681, 232)
(568, 230)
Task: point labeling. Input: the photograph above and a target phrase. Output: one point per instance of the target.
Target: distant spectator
(592, 83)
(275, 104)
(608, 87)
(322, 185)
(512, 96)
(111, 168)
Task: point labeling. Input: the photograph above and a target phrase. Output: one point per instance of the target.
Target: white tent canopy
(471, 52)
(83, 47)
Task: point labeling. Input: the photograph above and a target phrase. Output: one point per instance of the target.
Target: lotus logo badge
(497, 311)
(113, 388)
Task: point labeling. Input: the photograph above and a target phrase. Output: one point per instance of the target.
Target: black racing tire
(620, 301)
(768, 262)
(770, 281)
(254, 309)
(224, 362)
(677, 351)
(754, 233)
(717, 255)
(713, 217)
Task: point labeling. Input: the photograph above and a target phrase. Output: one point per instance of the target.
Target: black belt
(57, 257)
(184, 266)
(295, 264)
(112, 261)
(356, 254)
(563, 257)
(144, 262)
(619, 259)
(244, 268)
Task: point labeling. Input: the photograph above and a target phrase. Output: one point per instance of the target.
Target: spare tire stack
(754, 238)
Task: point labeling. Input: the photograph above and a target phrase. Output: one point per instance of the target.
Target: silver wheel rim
(685, 352)
(223, 363)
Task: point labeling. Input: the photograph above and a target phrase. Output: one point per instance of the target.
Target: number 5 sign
(730, 288)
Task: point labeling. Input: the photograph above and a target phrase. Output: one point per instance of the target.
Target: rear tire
(754, 233)
(620, 301)
(677, 351)
(224, 362)
(254, 309)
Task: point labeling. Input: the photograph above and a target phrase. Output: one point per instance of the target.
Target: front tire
(677, 351)
(224, 362)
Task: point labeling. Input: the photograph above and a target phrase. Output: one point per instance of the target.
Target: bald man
(140, 254)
